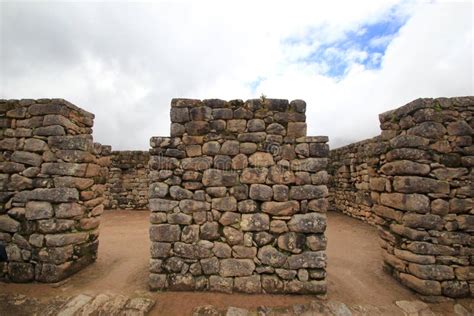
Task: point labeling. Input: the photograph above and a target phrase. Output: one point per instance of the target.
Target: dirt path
(355, 275)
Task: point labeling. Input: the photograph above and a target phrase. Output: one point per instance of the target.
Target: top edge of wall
(130, 152)
(279, 105)
(422, 103)
(357, 144)
(7, 104)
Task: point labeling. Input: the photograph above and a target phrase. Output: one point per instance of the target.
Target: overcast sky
(124, 61)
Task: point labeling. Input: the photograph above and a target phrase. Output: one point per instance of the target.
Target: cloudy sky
(124, 61)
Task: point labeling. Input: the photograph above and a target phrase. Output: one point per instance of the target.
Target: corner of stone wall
(50, 190)
(427, 196)
(421, 192)
(238, 199)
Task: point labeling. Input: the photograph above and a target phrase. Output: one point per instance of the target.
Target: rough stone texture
(81, 304)
(242, 193)
(353, 169)
(414, 182)
(127, 184)
(336, 308)
(52, 184)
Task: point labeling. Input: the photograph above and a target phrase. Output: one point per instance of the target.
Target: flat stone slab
(79, 305)
(330, 308)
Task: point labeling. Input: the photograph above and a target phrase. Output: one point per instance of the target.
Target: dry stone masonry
(238, 194)
(419, 175)
(52, 178)
(127, 185)
(352, 167)
(238, 198)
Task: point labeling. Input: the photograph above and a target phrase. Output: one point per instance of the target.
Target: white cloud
(125, 61)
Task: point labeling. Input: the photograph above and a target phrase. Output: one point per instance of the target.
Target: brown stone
(236, 267)
(425, 287)
(308, 223)
(407, 202)
(255, 222)
(281, 208)
(420, 185)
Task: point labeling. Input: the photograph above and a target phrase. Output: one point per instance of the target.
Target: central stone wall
(238, 199)
(352, 168)
(127, 184)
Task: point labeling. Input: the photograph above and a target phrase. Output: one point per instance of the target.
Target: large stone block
(405, 167)
(292, 242)
(425, 287)
(420, 185)
(308, 223)
(431, 272)
(269, 255)
(165, 232)
(38, 210)
(408, 202)
(8, 224)
(60, 240)
(261, 159)
(191, 206)
(255, 222)
(308, 259)
(248, 284)
(236, 267)
(281, 208)
(427, 221)
(162, 205)
(57, 195)
(21, 272)
(254, 175)
(79, 142)
(296, 129)
(228, 204)
(261, 192)
(432, 130)
(308, 192)
(309, 164)
(218, 178)
(27, 158)
(64, 169)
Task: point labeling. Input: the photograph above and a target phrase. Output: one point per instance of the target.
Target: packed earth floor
(355, 278)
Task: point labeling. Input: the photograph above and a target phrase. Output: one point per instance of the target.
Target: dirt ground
(355, 275)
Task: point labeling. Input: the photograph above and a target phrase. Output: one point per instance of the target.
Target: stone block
(308, 223)
(255, 222)
(236, 267)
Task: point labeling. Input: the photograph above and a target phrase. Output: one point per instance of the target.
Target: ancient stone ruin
(127, 185)
(415, 182)
(238, 194)
(238, 199)
(52, 182)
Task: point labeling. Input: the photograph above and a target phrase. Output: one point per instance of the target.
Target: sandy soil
(355, 275)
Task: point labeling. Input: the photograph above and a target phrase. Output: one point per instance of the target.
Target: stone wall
(238, 198)
(127, 186)
(352, 167)
(420, 183)
(51, 187)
